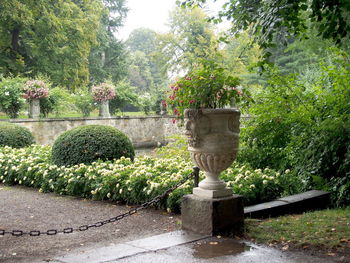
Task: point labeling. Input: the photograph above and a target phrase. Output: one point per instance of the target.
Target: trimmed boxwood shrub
(15, 136)
(86, 144)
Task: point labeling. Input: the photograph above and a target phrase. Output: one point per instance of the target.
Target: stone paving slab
(101, 254)
(188, 254)
(310, 200)
(166, 240)
(180, 247)
(131, 248)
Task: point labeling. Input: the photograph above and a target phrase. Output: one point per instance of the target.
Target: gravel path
(26, 209)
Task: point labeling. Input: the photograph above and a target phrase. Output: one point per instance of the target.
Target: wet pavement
(180, 246)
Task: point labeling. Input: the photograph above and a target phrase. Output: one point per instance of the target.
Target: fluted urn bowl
(213, 138)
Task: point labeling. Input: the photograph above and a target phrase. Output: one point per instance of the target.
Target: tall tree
(191, 37)
(240, 57)
(145, 70)
(142, 39)
(107, 59)
(140, 72)
(48, 37)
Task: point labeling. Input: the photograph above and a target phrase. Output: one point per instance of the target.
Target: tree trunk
(15, 39)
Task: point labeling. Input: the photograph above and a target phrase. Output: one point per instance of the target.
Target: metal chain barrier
(69, 230)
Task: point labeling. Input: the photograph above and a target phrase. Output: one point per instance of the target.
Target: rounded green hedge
(86, 144)
(15, 136)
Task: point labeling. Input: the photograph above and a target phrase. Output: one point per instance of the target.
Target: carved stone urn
(104, 109)
(34, 108)
(213, 137)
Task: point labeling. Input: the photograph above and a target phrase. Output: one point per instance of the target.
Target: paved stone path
(148, 236)
(180, 246)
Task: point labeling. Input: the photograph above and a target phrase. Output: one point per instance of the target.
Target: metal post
(196, 176)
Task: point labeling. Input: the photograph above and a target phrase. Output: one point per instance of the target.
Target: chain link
(69, 230)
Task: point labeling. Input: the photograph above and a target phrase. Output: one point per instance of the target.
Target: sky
(151, 14)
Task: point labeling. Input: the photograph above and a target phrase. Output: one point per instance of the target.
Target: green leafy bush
(57, 102)
(177, 146)
(261, 185)
(146, 103)
(11, 99)
(15, 136)
(89, 143)
(126, 95)
(304, 127)
(84, 103)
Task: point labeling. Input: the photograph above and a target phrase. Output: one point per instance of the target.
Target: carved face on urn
(197, 126)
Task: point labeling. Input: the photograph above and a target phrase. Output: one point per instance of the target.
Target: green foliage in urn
(208, 85)
(86, 144)
(15, 136)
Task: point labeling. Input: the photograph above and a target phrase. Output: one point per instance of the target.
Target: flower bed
(127, 181)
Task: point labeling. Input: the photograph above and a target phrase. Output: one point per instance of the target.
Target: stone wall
(143, 131)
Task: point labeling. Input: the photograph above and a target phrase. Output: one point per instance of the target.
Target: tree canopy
(55, 38)
(144, 69)
(107, 59)
(287, 17)
(190, 38)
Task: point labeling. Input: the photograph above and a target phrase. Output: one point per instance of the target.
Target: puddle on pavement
(219, 248)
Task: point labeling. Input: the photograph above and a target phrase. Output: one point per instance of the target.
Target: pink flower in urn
(35, 89)
(206, 85)
(172, 97)
(103, 92)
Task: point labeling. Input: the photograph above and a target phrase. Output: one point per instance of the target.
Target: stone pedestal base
(34, 108)
(104, 109)
(204, 193)
(218, 216)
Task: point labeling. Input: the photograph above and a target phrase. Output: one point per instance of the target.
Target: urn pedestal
(104, 109)
(213, 138)
(34, 108)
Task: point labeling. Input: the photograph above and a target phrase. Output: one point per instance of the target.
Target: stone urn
(213, 137)
(34, 108)
(104, 109)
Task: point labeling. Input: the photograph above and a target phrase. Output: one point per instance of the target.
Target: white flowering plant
(11, 100)
(132, 182)
(261, 185)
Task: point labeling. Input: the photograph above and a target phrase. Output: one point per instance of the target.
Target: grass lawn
(327, 231)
